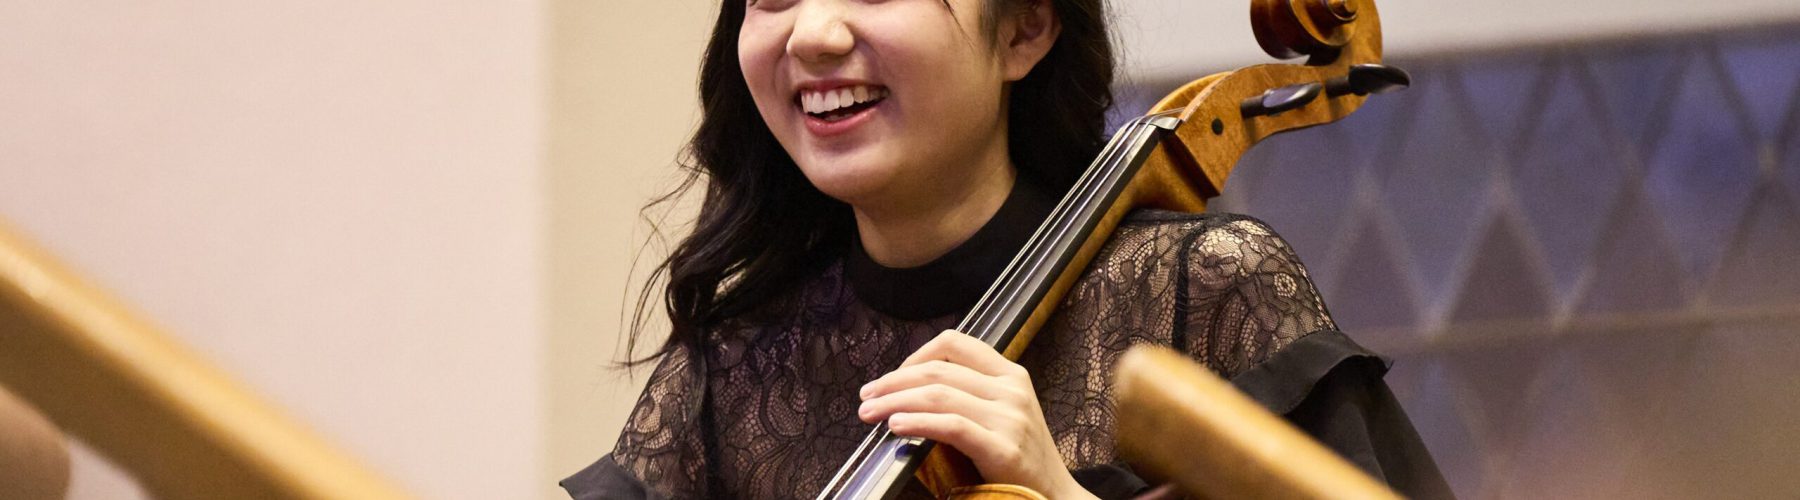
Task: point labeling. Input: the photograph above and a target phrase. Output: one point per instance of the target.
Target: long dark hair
(763, 228)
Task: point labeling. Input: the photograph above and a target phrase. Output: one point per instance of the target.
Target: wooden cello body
(1174, 158)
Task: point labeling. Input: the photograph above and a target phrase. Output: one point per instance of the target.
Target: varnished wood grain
(181, 426)
(1180, 421)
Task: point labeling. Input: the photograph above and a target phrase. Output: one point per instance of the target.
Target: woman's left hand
(960, 391)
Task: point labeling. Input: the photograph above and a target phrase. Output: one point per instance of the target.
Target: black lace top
(777, 416)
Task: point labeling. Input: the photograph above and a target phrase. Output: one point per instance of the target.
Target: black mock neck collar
(952, 283)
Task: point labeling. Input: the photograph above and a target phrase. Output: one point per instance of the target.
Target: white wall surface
(338, 201)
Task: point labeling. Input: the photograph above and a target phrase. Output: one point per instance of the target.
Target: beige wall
(336, 200)
(622, 102)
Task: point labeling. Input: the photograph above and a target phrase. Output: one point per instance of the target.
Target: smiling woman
(870, 168)
(940, 132)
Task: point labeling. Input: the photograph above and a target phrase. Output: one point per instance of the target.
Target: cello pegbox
(1365, 79)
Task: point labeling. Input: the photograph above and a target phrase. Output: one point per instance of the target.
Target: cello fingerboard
(884, 463)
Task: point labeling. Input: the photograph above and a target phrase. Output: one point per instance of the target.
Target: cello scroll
(1225, 114)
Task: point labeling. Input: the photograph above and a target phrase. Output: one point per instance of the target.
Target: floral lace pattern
(777, 417)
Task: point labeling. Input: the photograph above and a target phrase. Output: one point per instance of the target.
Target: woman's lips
(832, 108)
(824, 100)
(821, 127)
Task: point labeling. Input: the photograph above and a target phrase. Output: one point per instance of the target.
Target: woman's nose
(821, 32)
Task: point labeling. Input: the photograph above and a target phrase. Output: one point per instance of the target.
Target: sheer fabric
(769, 410)
(781, 417)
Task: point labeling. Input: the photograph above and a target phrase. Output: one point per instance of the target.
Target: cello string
(979, 322)
(1131, 150)
(1102, 167)
(984, 306)
(990, 324)
(1117, 156)
(854, 462)
(1066, 224)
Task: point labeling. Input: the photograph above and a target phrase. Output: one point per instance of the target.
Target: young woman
(870, 167)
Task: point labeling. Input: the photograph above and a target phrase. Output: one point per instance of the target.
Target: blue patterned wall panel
(1585, 259)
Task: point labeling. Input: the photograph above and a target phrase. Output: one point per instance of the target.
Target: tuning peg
(1365, 79)
(1280, 99)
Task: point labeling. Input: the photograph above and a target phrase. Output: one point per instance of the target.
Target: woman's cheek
(758, 54)
(761, 40)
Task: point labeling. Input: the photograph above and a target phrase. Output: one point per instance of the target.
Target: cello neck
(999, 317)
(1008, 315)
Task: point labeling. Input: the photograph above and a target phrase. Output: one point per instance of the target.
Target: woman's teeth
(823, 102)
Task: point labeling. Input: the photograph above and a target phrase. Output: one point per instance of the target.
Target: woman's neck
(924, 226)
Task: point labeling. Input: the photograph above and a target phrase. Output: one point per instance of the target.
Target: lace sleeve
(1233, 295)
(1222, 288)
(662, 446)
(1254, 315)
(1243, 296)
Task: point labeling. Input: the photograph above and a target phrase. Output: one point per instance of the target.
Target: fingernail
(864, 392)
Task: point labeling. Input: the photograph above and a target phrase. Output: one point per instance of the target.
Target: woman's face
(880, 99)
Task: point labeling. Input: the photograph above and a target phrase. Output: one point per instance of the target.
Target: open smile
(837, 104)
(836, 110)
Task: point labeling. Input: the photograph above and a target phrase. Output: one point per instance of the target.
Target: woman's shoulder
(1193, 224)
(1233, 290)
(1240, 243)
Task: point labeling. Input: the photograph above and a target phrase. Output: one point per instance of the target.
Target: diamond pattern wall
(1566, 206)
(1585, 259)
(1701, 167)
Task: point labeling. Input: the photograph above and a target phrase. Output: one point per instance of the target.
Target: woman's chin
(850, 186)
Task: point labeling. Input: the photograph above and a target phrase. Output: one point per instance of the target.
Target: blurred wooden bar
(34, 457)
(1181, 422)
(182, 427)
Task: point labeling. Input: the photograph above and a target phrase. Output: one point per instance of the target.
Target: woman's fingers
(967, 436)
(958, 390)
(935, 398)
(936, 372)
(957, 347)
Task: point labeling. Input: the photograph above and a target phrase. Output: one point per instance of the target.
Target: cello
(1173, 158)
